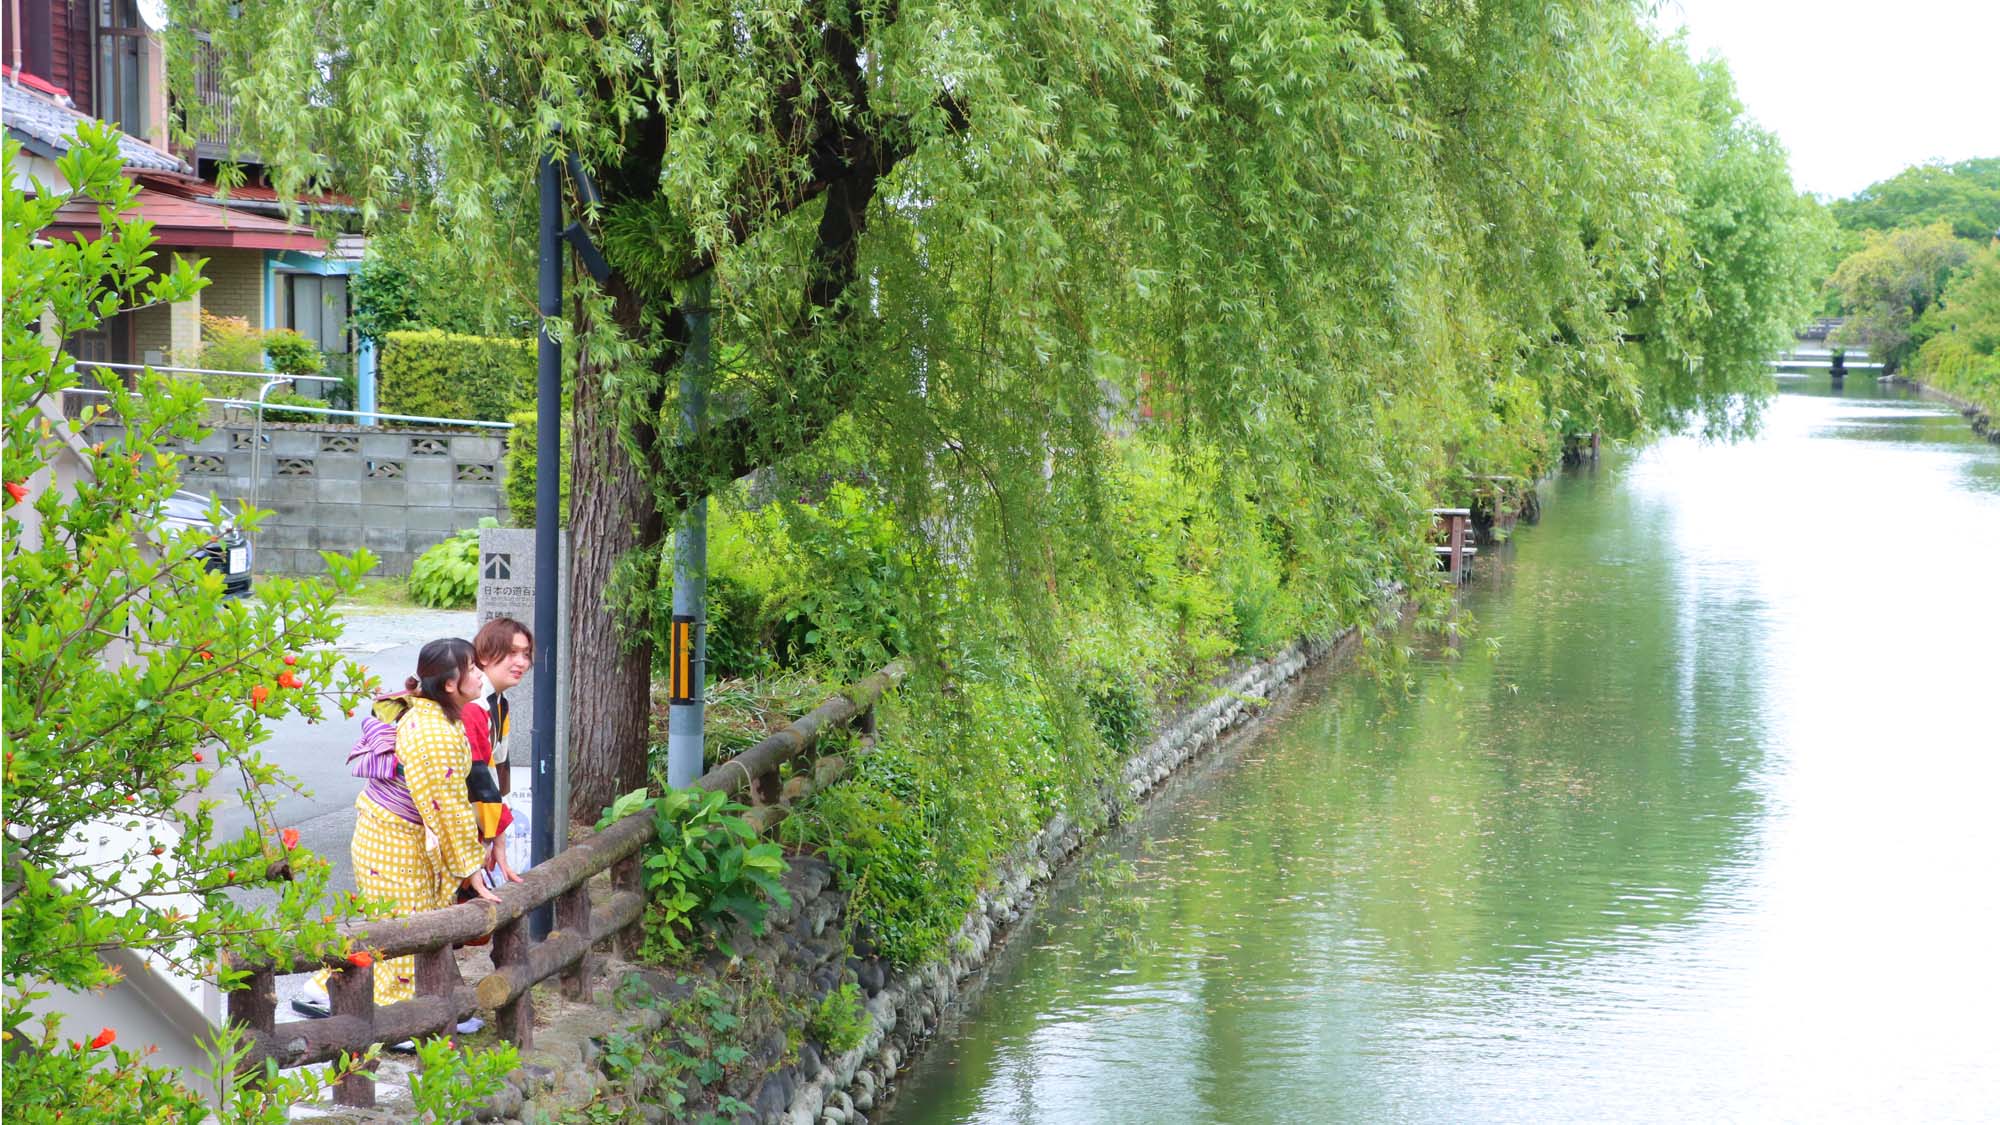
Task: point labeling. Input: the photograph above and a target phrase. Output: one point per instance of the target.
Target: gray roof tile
(38, 118)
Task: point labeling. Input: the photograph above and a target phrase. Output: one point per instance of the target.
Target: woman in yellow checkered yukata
(416, 841)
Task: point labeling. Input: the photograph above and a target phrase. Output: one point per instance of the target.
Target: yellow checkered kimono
(417, 866)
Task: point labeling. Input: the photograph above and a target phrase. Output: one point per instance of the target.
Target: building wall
(235, 284)
(152, 334)
(397, 492)
(71, 51)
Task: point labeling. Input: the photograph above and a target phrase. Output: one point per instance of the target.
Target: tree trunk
(611, 512)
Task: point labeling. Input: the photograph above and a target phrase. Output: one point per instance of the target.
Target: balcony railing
(212, 117)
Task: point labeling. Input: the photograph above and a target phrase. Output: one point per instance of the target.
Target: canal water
(1701, 827)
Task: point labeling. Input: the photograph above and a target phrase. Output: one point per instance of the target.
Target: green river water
(1700, 827)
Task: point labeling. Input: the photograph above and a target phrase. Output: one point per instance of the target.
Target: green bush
(838, 1020)
(521, 469)
(844, 577)
(1121, 707)
(276, 400)
(442, 375)
(735, 647)
(447, 575)
(703, 868)
(292, 354)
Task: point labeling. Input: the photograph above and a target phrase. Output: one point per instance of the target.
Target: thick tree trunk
(611, 512)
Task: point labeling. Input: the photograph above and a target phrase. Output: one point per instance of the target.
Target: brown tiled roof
(179, 223)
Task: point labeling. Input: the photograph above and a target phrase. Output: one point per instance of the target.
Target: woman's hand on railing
(476, 882)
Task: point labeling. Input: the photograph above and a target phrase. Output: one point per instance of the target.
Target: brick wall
(235, 285)
(152, 334)
(335, 488)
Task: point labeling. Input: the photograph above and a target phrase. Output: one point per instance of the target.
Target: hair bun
(412, 684)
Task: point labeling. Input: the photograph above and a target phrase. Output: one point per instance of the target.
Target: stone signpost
(507, 589)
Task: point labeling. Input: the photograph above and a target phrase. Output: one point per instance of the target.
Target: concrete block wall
(396, 492)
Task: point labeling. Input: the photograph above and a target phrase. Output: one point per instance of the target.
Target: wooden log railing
(443, 998)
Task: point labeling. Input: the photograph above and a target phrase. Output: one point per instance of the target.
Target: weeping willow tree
(1344, 251)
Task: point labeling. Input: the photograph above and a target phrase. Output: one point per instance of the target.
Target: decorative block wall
(336, 488)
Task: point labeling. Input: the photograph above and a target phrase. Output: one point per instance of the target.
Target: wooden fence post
(438, 975)
(573, 916)
(626, 875)
(255, 1005)
(511, 946)
(352, 991)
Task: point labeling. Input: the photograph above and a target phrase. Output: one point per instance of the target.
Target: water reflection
(1705, 838)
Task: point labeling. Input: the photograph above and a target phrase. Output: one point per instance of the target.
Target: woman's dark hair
(441, 663)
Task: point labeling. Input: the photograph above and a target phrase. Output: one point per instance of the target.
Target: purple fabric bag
(373, 759)
(374, 755)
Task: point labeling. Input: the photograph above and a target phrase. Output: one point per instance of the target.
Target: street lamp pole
(687, 648)
(548, 518)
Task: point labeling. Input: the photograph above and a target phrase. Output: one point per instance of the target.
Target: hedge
(521, 470)
(443, 375)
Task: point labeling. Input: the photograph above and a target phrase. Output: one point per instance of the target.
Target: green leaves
(623, 807)
(447, 575)
(704, 870)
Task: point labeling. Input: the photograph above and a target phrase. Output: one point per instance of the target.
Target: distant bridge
(1837, 360)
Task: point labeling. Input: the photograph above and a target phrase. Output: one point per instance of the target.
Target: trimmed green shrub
(274, 413)
(521, 470)
(293, 354)
(442, 375)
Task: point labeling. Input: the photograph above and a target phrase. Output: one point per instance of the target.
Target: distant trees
(1962, 351)
(1920, 279)
(1891, 282)
(1965, 196)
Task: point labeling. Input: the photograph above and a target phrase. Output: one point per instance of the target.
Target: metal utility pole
(548, 519)
(687, 649)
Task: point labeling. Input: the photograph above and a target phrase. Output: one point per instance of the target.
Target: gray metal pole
(548, 514)
(688, 645)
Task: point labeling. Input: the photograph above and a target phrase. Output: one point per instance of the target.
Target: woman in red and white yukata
(504, 650)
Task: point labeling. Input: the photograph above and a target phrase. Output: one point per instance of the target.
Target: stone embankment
(1981, 420)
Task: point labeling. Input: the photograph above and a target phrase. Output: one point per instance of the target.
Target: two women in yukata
(430, 823)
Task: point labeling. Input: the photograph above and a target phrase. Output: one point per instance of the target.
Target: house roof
(179, 222)
(46, 126)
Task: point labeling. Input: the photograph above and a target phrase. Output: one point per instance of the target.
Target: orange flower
(288, 680)
(198, 757)
(207, 655)
(290, 836)
(15, 490)
(360, 959)
(258, 695)
(104, 1039)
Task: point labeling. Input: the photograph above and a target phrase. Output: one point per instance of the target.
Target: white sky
(1858, 89)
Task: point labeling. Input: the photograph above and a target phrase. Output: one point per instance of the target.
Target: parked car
(228, 552)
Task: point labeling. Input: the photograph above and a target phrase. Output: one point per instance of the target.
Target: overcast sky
(1858, 91)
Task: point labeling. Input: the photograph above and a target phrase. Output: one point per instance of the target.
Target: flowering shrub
(135, 692)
